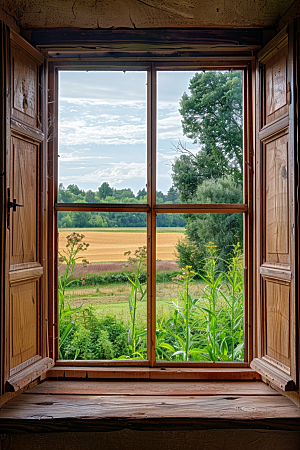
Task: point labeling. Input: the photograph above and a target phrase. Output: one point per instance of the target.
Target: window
(270, 240)
(129, 177)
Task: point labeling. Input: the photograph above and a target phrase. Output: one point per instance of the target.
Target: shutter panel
(26, 232)
(275, 218)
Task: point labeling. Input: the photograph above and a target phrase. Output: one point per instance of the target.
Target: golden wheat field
(111, 245)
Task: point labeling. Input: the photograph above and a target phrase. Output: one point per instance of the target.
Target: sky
(102, 128)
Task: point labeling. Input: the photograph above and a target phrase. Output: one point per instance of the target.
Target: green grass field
(113, 299)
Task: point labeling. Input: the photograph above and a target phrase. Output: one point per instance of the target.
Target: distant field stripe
(123, 230)
(109, 246)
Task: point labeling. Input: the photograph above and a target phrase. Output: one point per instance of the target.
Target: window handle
(12, 205)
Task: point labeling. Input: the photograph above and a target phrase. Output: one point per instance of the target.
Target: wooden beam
(201, 208)
(114, 207)
(214, 40)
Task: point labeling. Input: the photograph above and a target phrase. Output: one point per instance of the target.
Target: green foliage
(203, 325)
(234, 299)
(207, 327)
(225, 230)
(107, 194)
(211, 116)
(93, 279)
(96, 338)
(69, 257)
(185, 320)
(137, 294)
(104, 191)
(189, 254)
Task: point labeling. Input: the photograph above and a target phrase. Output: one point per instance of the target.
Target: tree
(74, 189)
(104, 191)
(212, 115)
(173, 195)
(141, 193)
(121, 194)
(224, 230)
(64, 195)
(90, 196)
(80, 219)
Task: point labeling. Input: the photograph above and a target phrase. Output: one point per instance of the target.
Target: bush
(95, 338)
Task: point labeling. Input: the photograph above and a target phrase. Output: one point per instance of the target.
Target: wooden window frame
(245, 64)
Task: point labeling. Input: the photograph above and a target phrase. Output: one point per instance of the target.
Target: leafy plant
(233, 297)
(184, 323)
(137, 294)
(210, 295)
(68, 257)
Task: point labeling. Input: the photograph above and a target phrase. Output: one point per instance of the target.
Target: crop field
(113, 299)
(110, 245)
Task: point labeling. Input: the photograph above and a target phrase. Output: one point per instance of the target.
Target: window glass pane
(200, 137)
(200, 290)
(102, 286)
(102, 137)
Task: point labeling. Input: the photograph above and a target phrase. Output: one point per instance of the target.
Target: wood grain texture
(25, 165)
(148, 14)
(278, 321)
(24, 88)
(24, 188)
(275, 217)
(219, 373)
(23, 326)
(271, 374)
(41, 407)
(277, 201)
(276, 85)
(23, 378)
(153, 388)
(25, 274)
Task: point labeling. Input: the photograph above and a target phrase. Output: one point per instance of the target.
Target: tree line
(107, 194)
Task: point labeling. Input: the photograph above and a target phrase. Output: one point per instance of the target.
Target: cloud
(83, 101)
(116, 173)
(74, 132)
(169, 127)
(70, 157)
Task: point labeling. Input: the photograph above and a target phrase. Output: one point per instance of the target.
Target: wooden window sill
(170, 373)
(82, 405)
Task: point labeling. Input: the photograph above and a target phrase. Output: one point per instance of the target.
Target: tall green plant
(137, 294)
(213, 280)
(234, 299)
(184, 324)
(68, 257)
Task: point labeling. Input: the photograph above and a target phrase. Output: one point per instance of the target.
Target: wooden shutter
(26, 347)
(275, 215)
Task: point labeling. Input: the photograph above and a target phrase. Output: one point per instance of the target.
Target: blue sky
(102, 128)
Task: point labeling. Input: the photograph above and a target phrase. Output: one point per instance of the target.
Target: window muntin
(155, 209)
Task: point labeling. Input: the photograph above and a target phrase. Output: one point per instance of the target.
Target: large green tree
(212, 115)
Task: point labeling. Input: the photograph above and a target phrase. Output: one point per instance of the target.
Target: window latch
(10, 205)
